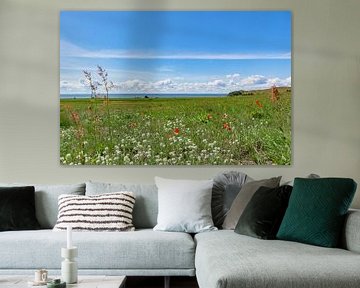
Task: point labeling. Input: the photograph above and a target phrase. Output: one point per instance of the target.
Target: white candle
(69, 237)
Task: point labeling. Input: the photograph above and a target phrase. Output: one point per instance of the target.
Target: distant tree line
(240, 93)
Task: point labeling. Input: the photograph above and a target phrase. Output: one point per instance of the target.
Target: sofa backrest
(146, 203)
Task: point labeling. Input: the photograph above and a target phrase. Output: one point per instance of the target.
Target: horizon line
(171, 93)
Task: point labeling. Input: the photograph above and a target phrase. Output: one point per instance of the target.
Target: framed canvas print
(175, 88)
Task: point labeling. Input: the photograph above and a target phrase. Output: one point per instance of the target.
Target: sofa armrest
(351, 234)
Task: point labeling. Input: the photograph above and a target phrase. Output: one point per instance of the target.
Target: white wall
(326, 90)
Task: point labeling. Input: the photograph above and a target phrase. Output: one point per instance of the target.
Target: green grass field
(240, 130)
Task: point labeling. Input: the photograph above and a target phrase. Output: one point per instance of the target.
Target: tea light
(69, 237)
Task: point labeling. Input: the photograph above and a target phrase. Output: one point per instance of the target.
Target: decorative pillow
(17, 208)
(184, 205)
(317, 209)
(146, 205)
(226, 187)
(243, 198)
(46, 200)
(106, 212)
(263, 215)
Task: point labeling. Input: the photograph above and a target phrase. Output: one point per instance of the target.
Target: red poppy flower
(258, 103)
(176, 131)
(227, 126)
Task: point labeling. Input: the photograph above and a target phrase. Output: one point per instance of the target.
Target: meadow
(238, 130)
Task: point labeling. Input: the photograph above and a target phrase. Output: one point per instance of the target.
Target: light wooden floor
(158, 282)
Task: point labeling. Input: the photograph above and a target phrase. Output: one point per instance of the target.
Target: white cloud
(217, 83)
(222, 84)
(163, 83)
(72, 50)
(288, 81)
(233, 79)
(215, 86)
(132, 85)
(254, 80)
(67, 86)
(279, 82)
(233, 76)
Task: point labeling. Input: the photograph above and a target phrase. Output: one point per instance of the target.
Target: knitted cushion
(316, 211)
(105, 212)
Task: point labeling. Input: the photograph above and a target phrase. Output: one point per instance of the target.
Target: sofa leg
(167, 282)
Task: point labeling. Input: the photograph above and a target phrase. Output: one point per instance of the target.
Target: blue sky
(177, 51)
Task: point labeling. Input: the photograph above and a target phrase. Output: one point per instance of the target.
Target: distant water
(139, 95)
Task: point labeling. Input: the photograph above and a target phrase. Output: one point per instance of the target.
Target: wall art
(175, 88)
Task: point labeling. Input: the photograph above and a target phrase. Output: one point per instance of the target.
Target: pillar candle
(69, 237)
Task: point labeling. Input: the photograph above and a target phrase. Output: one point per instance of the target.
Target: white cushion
(184, 205)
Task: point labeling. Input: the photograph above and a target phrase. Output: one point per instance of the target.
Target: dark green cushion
(263, 214)
(17, 208)
(316, 211)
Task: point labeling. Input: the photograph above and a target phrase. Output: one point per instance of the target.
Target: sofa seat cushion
(226, 259)
(142, 249)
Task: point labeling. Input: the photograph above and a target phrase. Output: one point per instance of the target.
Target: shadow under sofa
(220, 259)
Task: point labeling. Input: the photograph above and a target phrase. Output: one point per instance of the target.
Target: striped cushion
(105, 212)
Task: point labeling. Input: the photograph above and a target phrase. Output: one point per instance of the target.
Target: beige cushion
(243, 198)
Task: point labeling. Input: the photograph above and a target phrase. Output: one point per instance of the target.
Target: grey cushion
(184, 205)
(264, 212)
(46, 200)
(243, 198)
(146, 204)
(144, 249)
(225, 189)
(225, 259)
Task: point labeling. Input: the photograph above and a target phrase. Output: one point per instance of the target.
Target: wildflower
(258, 103)
(209, 117)
(227, 126)
(68, 157)
(75, 117)
(274, 94)
(176, 131)
(225, 115)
